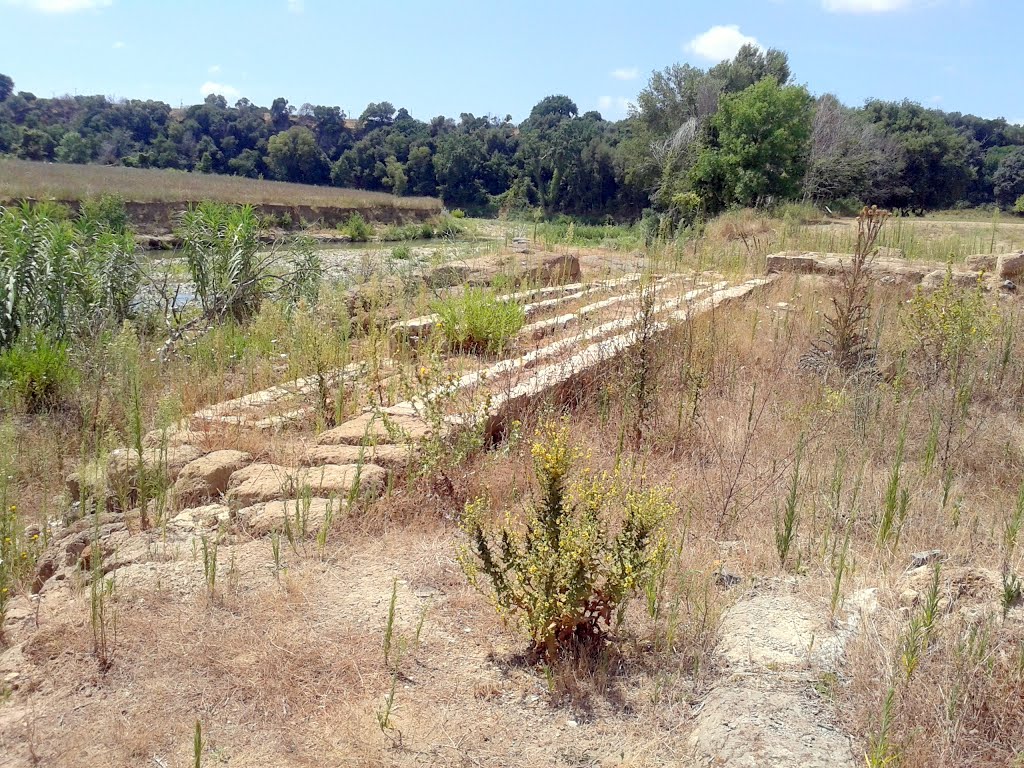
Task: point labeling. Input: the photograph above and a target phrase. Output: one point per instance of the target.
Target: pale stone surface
(302, 515)
(758, 723)
(123, 464)
(271, 482)
(765, 711)
(376, 427)
(207, 476)
(1011, 265)
(204, 517)
(393, 457)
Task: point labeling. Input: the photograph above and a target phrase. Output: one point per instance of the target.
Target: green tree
(295, 156)
(1008, 180)
(941, 162)
(6, 87)
(73, 149)
(759, 147)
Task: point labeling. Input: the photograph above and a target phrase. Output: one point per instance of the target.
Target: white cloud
(118, 45)
(296, 6)
(720, 42)
(60, 6)
(864, 6)
(616, 105)
(214, 69)
(626, 73)
(227, 91)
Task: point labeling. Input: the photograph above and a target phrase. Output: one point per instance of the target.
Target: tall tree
(760, 147)
(295, 156)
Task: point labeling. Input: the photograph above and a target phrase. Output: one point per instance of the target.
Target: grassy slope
(21, 178)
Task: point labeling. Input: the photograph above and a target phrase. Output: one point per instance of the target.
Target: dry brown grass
(61, 181)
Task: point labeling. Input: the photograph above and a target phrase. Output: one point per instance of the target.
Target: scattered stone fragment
(926, 557)
(206, 517)
(727, 579)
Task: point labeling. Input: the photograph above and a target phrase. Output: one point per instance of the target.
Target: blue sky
(486, 57)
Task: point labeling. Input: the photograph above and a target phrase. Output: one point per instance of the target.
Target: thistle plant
(562, 573)
(847, 344)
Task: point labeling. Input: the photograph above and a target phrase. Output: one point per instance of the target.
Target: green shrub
(458, 213)
(106, 212)
(426, 230)
(567, 571)
(221, 244)
(357, 229)
(1018, 207)
(36, 373)
(401, 252)
(448, 226)
(799, 213)
(60, 276)
(477, 321)
(947, 328)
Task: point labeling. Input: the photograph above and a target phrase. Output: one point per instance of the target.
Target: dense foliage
(696, 141)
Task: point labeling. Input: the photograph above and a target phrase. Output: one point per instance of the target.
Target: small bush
(458, 213)
(1018, 206)
(563, 573)
(947, 328)
(448, 227)
(357, 229)
(477, 321)
(107, 212)
(401, 252)
(36, 373)
(800, 213)
(426, 230)
(744, 224)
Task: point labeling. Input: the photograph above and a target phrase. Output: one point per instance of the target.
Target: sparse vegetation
(476, 320)
(687, 466)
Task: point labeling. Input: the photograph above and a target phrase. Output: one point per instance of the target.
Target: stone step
(273, 482)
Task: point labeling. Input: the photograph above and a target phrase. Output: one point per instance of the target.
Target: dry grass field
(61, 181)
(356, 639)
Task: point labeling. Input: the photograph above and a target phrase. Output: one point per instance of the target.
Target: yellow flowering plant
(566, 572)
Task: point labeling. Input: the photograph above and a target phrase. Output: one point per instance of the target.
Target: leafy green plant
(61, 276)
(785, 529)
(401, 252)
(221, 247)
(36, 372)
(476, 320)
(563, 573)
(357, 228)
(947, 327)
(221, 244)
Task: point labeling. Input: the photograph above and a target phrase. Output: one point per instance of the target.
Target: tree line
(697, 141)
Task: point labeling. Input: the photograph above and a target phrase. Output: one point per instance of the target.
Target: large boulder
(207, 477)
(1011, 265)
